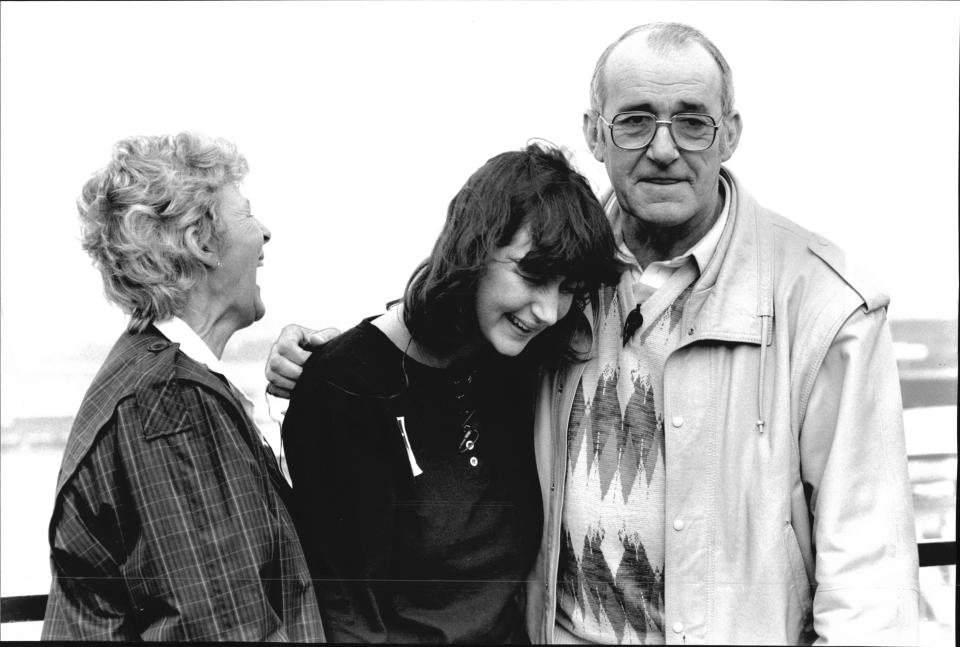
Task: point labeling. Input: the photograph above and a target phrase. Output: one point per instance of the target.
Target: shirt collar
(178, 331)
(702, 251)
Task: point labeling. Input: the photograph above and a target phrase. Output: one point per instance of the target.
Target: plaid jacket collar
(143, 365)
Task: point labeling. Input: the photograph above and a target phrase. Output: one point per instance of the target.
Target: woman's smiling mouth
(524, 328)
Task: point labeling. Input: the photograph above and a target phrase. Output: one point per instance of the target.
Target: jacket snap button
(677, 627)
(473, 461)
(678, 524)
(678, 421)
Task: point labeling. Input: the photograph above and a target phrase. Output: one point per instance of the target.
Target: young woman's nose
(550, 305)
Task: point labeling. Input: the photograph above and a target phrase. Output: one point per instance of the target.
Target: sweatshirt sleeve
(344, 503)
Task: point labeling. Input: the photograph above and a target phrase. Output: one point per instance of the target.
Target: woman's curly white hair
(152, 215)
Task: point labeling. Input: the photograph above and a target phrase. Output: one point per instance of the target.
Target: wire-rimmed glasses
(691, 131)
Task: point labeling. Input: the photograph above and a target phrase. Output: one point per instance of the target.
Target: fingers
(288, 355)
(320, 337)
(280, 392)
(286, 358)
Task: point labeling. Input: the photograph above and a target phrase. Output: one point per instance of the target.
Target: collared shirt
(657, 272)
(637, 283)
(192, 345)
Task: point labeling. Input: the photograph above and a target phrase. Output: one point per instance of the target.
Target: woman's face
(513, 308)
(243, 238)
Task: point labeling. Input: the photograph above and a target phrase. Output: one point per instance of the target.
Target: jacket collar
(734, 294)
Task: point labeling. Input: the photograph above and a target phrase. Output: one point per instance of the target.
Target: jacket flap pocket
(162, 410)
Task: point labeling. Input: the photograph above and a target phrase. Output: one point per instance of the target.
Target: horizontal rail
(30, 608)
(937, 553)
(22, 608)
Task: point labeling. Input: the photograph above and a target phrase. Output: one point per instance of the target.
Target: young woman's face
(513, 308)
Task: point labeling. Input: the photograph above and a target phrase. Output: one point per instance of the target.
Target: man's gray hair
(664, 37)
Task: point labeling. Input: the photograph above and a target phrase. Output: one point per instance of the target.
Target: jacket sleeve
(164, 532)
(344, 506)
(854, 465)
(87, 598)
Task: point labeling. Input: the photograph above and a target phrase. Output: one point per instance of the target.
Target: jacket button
(678, 627)
(678, 524)
(677, 421)
(690, 332)
(473, 461)
(157, 346)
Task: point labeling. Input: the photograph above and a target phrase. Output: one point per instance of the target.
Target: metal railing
(30, 608)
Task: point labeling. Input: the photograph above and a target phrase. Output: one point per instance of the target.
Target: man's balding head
(663, 37)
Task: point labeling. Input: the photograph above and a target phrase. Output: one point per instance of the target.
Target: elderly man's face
(662, 185)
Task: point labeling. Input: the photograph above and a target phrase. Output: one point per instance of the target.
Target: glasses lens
(633, 129)
(693, 132)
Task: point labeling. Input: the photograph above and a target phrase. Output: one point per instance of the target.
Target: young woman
(409, 437)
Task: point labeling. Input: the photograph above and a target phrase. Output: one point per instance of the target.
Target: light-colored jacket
(789, 515)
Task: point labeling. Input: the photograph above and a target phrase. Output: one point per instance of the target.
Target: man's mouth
(519, 325)
(661, 180)
(260, 262)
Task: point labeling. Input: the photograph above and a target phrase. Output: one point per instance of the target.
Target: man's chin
(660, 213)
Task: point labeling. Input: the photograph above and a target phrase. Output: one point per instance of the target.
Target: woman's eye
(530, 279)
(573, 287)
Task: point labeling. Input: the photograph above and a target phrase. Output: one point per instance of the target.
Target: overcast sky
(360, 121)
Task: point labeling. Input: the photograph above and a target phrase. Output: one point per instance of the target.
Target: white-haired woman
(170, 520)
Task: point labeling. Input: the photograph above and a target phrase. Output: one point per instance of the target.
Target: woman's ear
(207, 256)
(591, 133)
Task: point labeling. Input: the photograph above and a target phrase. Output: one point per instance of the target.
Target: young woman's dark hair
(570, 237)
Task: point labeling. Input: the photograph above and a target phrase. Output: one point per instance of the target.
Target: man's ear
(730, 135)
(591, 133)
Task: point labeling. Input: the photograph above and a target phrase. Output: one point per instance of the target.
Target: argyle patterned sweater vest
(611, 572)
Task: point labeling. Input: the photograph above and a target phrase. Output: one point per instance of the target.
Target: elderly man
(729, 466)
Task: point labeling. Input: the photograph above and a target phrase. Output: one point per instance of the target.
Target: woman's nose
(546, 305)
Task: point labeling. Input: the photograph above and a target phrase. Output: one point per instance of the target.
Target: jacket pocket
(162, 410)
(798, 575)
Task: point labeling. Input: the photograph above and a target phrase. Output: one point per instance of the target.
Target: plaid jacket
(170, 520)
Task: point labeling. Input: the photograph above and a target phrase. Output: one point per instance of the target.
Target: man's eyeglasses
(690, 131)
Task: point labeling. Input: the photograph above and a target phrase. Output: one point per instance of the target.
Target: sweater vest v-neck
(611, 570)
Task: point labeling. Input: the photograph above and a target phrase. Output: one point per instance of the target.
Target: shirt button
(678, 524)
(677, 627)
(473, 461)
(677, 421)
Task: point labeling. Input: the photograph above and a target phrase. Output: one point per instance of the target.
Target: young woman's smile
(513, 308)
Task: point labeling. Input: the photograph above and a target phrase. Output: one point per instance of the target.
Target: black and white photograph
(614, 322)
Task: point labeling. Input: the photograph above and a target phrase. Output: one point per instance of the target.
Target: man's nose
(662, 149)
(266, 232)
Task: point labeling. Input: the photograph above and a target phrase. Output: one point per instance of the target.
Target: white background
(360, 121)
